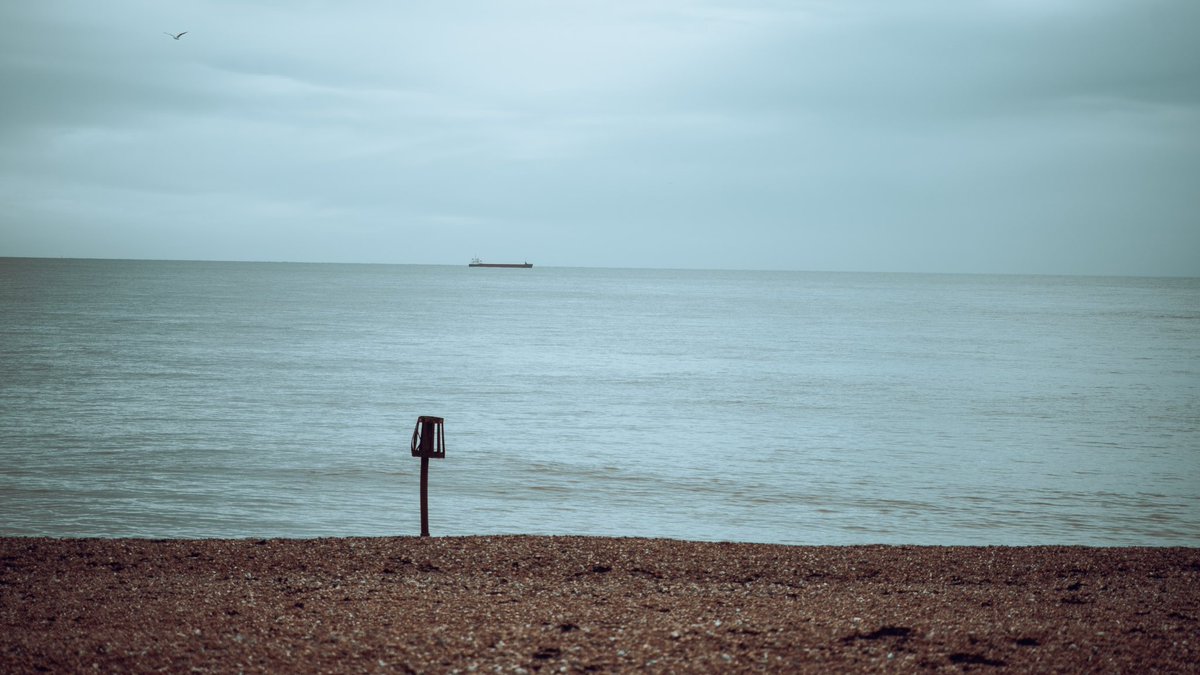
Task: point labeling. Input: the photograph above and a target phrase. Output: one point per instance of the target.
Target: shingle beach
(580, 604)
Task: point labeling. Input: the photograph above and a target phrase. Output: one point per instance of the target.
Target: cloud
(923, 136)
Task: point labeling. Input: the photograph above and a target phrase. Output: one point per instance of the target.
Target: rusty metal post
(424, 496)
(428, 440)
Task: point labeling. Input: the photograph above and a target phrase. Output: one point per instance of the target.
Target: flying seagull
(174, 35)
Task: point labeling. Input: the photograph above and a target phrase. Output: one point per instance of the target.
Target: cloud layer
(995, 136)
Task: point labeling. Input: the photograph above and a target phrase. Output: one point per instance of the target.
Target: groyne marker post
(428, 440)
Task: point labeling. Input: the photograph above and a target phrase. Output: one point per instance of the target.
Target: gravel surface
(582, 604)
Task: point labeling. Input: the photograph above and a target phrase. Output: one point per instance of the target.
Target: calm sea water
(189, 399)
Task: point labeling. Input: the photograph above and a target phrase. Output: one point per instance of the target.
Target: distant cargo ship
(476, 262)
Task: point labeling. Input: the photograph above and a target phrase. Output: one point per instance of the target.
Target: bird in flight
(175, 35)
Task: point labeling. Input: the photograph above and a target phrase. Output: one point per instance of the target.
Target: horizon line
(612, 267)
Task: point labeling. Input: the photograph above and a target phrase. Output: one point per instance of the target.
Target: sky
(958, 136)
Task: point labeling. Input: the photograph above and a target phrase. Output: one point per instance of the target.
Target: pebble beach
(523, 604)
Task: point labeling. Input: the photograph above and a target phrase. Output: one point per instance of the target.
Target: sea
(168, 399)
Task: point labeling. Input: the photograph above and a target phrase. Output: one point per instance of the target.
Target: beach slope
(581, 604)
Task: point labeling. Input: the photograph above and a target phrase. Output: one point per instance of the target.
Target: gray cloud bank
(1013, 136)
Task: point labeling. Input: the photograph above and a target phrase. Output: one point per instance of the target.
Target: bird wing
(181, 35)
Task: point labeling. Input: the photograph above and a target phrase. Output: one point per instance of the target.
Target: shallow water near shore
(190, 399)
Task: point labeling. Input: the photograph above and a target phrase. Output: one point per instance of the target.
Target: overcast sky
(1010, 136)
